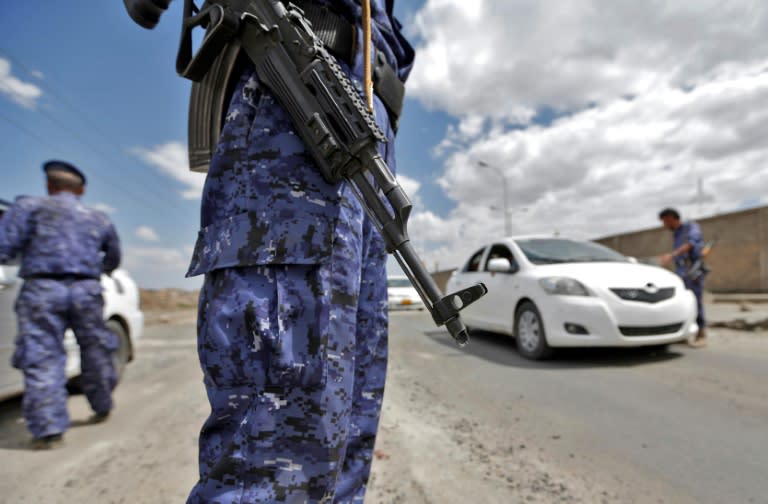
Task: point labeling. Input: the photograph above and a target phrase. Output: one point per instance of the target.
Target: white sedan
(121, 312)
(402, 295)
(553, 292)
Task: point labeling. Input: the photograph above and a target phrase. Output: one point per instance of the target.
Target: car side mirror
(501, 265)
(632, 260)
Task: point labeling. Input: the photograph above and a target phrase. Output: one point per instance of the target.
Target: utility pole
(505, 189)
(701, 197)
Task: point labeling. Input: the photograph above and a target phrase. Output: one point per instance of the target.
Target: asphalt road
(683, 426)
(473, 425)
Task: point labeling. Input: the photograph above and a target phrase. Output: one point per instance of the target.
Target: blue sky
(596, 114)
(107, 87)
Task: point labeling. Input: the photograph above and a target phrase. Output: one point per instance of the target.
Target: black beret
(56, 165)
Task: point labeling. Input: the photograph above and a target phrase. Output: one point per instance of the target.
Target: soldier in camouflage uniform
(64, 248)
(292, 330)
(688, 248)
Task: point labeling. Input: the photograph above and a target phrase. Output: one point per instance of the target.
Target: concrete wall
(739, 261)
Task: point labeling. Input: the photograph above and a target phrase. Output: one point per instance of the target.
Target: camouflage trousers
(697, 287)
(45, 309)
(294, 361)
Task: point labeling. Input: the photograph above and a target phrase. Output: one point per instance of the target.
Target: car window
(398, 282)
(474, 262)
(500, 251)
(559, 250)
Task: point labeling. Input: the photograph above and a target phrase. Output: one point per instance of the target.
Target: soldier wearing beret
(64, 247)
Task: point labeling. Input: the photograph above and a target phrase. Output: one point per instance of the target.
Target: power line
(45, 142)
(29, 132)
(108, 180)
(85, 119)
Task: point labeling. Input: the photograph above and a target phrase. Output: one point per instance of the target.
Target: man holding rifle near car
(687, 256)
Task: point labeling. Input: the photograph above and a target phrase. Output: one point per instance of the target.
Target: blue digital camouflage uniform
(64, 247)
(690, 232)
(292, 329)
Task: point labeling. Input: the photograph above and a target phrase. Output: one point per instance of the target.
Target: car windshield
(557, 250)
(398, 282)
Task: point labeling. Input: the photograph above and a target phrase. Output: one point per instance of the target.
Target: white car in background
(402, 295)
(121, 312)
(553, 292)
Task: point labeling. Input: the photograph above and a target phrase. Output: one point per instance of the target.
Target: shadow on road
(500, 349)
(13, 433)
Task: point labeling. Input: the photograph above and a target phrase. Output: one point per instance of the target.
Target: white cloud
(146, 233)
(159, 267)
(504, 59)
(171, 159)
(469, 128)
(652, 98)
(410, 186)
(610, 169)
(24, 93)
(104, 207)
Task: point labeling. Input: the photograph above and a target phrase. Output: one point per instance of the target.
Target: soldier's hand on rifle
(146, 13)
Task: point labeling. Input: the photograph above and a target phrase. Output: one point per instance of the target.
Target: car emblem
(651, 288)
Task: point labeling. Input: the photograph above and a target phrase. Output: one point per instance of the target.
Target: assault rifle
(339, 132)
(699, 268)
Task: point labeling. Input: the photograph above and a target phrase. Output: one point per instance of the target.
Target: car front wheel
(529, 332)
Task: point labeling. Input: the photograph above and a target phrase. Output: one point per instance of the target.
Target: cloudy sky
(594, 114)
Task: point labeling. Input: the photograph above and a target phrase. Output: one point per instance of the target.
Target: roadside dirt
(168, 300)
(145, 453)
(169, 306)
(425, 447)
(170, 317)
(741, 324)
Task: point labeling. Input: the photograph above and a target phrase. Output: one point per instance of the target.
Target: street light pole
(505, 189)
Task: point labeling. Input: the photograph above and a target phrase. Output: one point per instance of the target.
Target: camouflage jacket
(58, 235)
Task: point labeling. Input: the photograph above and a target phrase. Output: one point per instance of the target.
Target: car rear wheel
(123, 353)
(529, 333)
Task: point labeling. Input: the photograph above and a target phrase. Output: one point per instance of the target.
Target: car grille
(650, 330)
(644, 296)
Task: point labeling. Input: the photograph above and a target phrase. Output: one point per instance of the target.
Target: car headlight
(564, 286)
